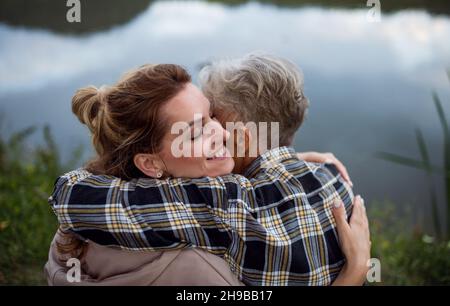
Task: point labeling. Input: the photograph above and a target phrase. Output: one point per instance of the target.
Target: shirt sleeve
(150, 214)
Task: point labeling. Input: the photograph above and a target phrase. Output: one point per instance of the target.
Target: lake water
(369, 83)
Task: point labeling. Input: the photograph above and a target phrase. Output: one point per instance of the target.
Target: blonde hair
(258, 88)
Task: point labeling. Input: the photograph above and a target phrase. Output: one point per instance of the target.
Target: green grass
(27, 223)
(407, 255)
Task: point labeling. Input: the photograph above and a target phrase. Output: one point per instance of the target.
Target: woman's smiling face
(202, 137)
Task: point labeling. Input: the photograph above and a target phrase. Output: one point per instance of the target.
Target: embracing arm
(91, 204)
(149, 214)
(327, 158)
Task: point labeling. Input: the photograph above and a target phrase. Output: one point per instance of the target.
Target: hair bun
(87, 104)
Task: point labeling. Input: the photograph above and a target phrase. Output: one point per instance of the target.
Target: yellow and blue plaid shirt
(274, 226)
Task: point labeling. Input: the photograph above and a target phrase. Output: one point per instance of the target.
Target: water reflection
(50, 15)
(369, 83)
(101, 15)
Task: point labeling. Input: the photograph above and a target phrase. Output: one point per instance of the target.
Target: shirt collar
(276, 155)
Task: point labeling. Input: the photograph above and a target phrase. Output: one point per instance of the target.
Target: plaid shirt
(274, 226)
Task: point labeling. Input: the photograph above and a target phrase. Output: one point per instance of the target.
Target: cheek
(186, 166)
(202, 148)
(206, 146)
(183, 166)
(220, 168)
(197, 148)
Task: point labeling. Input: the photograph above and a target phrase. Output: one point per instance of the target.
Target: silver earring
(159, 174)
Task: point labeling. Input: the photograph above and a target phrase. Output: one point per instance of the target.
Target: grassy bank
(27, 223)
(407, 254)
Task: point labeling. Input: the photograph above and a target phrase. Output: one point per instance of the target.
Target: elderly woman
(272, 226)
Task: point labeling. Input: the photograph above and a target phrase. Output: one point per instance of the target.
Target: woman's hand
(354, 239)
(328, 158)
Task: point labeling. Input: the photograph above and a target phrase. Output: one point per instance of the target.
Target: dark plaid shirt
(273, 226)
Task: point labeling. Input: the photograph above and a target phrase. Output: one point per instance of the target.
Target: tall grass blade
(401, 160)
(428, 169)
(444, 124)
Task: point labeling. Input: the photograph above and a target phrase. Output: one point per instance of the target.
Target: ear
(149, 164)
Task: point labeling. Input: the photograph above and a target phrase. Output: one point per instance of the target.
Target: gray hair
(258, 88)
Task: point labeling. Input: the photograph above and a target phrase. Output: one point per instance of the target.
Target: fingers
(327, 158)
(365, 219)
(340, 216)
(359, 219)
(359, 214)
(340, 166)
(312, 157)
(363, 209)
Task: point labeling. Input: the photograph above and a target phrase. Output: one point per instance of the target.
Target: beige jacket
(108, 266)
